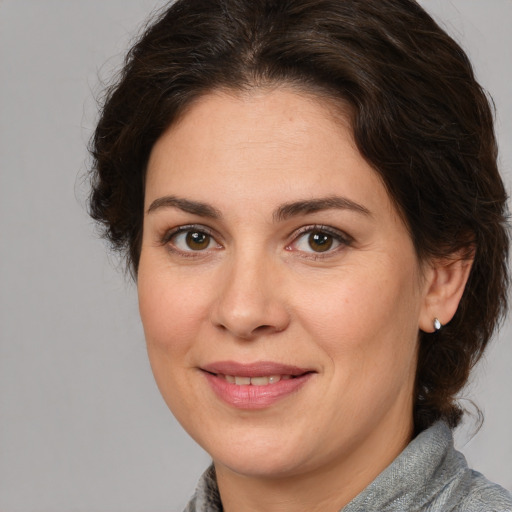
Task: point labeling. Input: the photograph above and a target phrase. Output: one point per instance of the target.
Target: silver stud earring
(437, 324)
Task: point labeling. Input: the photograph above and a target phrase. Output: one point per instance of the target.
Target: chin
(260, 464)
(259, 454)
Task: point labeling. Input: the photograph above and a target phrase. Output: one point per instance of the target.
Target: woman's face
(279, 290)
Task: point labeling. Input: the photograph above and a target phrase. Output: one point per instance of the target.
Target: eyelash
(167, 239)
(340, 238)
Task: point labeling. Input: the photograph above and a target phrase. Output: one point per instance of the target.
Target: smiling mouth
(254, 381)
(255, 385)
(262, 373)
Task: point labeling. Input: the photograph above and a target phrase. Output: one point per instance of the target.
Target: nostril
(263, 328)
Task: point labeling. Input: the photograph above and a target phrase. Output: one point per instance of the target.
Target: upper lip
(257, 369)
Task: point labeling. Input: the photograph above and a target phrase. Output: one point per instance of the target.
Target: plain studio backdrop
(82, 425)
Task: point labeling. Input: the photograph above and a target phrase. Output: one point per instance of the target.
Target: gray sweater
(428, 476)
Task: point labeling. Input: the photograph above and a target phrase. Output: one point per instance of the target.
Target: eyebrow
(315, 205)
(186, 205)
(282, 213)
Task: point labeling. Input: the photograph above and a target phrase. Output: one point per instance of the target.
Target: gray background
(82, 426)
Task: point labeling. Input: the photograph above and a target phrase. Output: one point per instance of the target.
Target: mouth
(255, 385)
(254, 381)
(262, 373)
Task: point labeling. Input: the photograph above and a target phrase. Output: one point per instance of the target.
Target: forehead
(269, 115)
(262, 147)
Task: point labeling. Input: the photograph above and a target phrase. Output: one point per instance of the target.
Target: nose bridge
(248, 302)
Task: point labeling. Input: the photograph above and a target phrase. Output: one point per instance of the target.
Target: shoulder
(430, 475)
(481, 495)
(462, 489)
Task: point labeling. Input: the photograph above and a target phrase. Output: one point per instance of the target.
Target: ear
(445, 283)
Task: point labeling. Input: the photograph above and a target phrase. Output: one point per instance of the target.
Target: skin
(259, 291)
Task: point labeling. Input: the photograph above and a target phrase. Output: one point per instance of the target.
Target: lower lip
(255, 397)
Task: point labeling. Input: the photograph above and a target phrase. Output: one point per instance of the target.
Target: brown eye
(197, 241)
(320, 241)
(191, 240)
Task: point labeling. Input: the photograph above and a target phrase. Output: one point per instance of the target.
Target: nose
(250, 301)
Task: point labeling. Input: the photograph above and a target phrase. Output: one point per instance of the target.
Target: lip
(251, 396)
(258, 369)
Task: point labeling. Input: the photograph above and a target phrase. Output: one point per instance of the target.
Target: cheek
(170, 308)
(169, 312)
(367, 317)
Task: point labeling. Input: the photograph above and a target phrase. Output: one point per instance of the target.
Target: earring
(437, 324)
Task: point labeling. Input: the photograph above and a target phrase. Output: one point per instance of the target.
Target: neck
(326, 489)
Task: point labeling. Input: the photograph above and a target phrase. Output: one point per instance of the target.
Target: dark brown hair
(418, 116)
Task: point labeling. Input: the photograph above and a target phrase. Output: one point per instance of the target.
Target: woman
(308, 197)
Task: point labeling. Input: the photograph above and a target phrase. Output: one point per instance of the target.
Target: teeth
(260, 381)
(255, 381)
